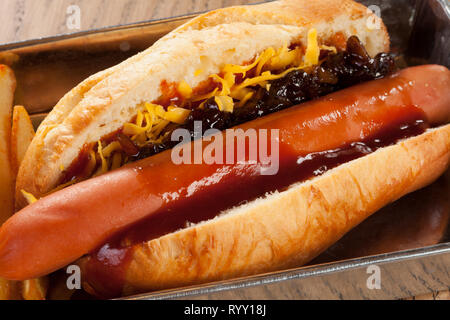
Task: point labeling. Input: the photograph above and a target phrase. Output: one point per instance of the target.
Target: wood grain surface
(30, 19)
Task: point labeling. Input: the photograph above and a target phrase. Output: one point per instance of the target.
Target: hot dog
(134, 223)
(88, 208)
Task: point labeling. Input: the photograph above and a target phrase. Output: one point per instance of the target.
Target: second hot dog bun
(103, 102)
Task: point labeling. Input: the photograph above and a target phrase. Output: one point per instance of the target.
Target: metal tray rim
(296, 273)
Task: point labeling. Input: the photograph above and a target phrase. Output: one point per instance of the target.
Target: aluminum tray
(409, 241)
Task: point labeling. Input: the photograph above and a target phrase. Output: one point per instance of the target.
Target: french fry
(7, 87)
(21, 135)
(8, 289)
(8, 58)
(35, 289)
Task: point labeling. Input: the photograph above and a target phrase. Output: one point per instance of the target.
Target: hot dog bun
(417, 220)
(286, 229)
(103, 102)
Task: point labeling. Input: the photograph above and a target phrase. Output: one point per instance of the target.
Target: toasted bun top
(103, 102)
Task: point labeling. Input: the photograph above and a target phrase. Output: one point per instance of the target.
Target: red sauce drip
(78, 168)
(169, 95)
(105, 270)
(339, 40)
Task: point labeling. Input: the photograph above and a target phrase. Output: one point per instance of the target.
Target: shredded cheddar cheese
(312, 50)
(110, 148)
(227, 82)
(184, 89)
(152, 119)
(285, 58)
(206, 96)
(176, 115)
(104, 166)
(28, 196)
(328, 48)
(246, 97)
(230, 68)
(225, 103)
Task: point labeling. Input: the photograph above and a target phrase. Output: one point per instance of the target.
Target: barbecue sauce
(106, 267)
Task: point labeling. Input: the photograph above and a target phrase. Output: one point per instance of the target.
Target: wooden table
(29, 19)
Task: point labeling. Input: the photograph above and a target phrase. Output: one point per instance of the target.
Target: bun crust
(103, 102)
(287, 229)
